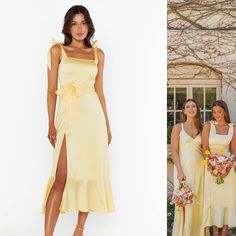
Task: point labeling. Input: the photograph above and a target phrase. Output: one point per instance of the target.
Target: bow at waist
(68, 92)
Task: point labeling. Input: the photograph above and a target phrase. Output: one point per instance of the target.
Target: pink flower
(219, 164)
(183, 195)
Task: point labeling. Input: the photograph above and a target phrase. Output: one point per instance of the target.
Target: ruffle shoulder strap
(49, 61)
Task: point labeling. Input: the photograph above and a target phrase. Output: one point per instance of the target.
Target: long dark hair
(67, 24)
(223, 105)
(197, 118)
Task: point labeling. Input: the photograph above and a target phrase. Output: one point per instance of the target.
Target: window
(175, 99)
(205, 96)
(191, 80)
(176, 96)
(177, 93)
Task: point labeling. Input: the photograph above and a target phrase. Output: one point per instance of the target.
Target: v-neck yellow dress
(187, 221)
(81, 119)
(220, 200)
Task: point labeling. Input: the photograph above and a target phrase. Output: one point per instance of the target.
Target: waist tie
(67, 93)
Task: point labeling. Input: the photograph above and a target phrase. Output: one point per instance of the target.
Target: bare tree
(204, 32)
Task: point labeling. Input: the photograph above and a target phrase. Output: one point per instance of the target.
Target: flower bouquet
(219, 164)
(183, 195)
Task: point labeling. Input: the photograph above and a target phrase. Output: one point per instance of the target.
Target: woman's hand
(181, 176)
(52, 134)
(109, 136)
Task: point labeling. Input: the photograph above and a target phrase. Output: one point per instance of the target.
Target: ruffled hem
(82, 195)
(220, 216)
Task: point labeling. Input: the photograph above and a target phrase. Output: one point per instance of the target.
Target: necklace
(217, 123)
(222, 125)
(192, 125)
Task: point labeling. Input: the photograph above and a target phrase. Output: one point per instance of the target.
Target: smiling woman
(187, 156)
(219, 135)
(80, 135)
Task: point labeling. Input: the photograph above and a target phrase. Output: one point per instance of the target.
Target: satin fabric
(81, 119)
(187, 220)
(220, 200)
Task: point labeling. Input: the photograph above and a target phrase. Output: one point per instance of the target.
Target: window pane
(198, 96)
(170, 99)
(180, 97)
(202, 116)
(170, 123)
(210, 97)
(208, 115)
(170, 118)
(178, 117)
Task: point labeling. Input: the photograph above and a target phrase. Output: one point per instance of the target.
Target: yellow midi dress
(187, 220)
(220, 200)
(81, 119)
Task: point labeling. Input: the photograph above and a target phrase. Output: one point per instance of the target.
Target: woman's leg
(224, 230)
(215, 230)
(55, 196)
(82, 217)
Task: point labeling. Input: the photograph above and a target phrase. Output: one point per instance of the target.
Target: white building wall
(229, 96)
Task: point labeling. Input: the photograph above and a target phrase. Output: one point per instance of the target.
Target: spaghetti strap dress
(81, 120)
(219, 200)
(187, 220)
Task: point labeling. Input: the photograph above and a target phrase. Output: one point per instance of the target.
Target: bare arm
(99, 90)
(175, 151)
(233, 143)
(55, 53)
(205, 137)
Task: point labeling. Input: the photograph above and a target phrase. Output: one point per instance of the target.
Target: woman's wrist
(51, 123)
(180, 171)
(108, 125)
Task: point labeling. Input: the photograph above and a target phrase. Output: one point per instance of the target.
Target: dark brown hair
(223, 105)
(197, 118)
(67, 24)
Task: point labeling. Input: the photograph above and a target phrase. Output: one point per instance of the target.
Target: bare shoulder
(207, 125)
(234, 128)
(101, 53)
(177, 128)
(56, 50)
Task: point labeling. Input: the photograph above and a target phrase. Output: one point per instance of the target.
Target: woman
(79, 180)
(219, 200)
(187, 157)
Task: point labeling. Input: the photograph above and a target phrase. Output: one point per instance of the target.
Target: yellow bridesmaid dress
(81, 119)
(187, 221)
(220, 200)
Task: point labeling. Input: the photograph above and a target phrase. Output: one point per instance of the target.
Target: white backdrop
(132, 35)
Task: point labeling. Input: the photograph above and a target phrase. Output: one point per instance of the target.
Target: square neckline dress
(219, 200)
(81, 119)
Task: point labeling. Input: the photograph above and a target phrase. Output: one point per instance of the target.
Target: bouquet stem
(219, 181)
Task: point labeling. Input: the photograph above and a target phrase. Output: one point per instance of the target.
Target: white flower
(221, 159)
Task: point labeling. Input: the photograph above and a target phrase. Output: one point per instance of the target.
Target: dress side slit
(61, 172)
